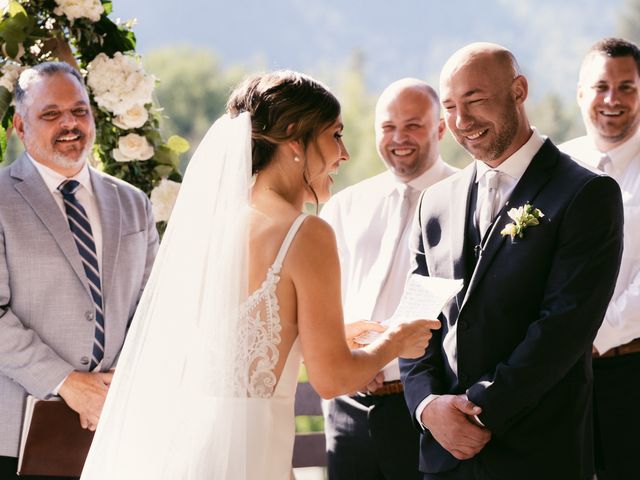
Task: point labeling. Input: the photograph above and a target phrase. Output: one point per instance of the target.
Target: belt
(388, 388)
(632, 347)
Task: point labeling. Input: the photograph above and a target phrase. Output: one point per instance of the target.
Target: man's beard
(625, 131)
(60, 159)
(64, 161)
(503, 138)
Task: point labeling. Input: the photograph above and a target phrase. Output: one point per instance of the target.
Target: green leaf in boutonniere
(523, 217)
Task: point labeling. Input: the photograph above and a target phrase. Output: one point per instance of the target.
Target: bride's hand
(355, 329)
(412, 338)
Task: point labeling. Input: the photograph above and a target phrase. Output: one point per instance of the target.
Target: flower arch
(129, 144)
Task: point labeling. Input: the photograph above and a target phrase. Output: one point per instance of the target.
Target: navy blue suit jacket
(521, 330)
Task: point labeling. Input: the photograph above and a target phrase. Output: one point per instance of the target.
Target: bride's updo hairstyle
(284, 106)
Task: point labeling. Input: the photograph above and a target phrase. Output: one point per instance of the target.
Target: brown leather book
(53, 442)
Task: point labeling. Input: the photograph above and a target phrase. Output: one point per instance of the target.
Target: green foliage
(193, 89)
(358, 113)
(119, 39)
(557, 119)
(34, 31)
(309, 423)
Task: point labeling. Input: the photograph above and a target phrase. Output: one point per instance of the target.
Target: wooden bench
(309, 448)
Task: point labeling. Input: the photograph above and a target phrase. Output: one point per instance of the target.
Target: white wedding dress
(271, 414)
(195, 394)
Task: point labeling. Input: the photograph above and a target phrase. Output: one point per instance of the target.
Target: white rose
(119, 83)
(10, 72)
(163, 198)
(132, 147)
(72, 9)
(135, 117)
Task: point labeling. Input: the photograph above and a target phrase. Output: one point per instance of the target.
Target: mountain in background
(390, 39)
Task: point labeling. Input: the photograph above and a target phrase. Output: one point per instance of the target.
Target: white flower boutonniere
(523, 217)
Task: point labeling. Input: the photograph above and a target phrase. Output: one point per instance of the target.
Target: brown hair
(284, 106)
(615, 48)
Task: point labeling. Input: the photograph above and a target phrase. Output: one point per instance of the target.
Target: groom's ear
(519, 89)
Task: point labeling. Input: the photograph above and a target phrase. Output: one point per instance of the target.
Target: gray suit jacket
(46, 310)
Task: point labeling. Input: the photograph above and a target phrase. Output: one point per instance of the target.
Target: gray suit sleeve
(24, 357)
(152, 246)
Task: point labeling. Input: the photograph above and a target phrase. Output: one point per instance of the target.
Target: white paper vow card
(423, 297)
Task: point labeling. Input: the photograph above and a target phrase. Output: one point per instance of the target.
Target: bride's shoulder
(315, 240)
(315, 229)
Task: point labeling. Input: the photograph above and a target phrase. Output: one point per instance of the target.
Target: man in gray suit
(76, 248)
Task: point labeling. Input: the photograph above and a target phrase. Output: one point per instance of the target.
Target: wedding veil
(176, 408)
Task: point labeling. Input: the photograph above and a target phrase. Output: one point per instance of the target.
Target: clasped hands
(451, 420)
(85, 393)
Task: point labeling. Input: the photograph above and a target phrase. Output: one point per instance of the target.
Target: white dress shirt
(84, 195)
(622, 320)
(511, 170)
(359, 216)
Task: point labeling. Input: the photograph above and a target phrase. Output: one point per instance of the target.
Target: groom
(504, 389)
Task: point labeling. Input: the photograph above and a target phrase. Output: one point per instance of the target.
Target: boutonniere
(523, 217)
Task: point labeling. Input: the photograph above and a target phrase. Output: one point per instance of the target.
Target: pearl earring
(296, 158)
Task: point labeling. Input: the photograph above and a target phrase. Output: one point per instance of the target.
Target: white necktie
(399, 214)
(604, 164)
(488, 200)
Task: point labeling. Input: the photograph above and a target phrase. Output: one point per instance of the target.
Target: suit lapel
(35, 192)
(533, 180)
(108, 203)
(460, 198)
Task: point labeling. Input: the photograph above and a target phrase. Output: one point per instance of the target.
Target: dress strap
(286, 243)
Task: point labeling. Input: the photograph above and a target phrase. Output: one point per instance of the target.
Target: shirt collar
(516, 164)
(422, 181)
(53, 179)
(623, 154)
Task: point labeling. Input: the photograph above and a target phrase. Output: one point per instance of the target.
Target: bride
(244, 285)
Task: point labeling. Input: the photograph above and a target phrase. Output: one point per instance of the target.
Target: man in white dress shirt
(370, 435)
(609, 99)
(76, 248)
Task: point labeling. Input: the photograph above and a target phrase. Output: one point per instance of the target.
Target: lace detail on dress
(260, 317)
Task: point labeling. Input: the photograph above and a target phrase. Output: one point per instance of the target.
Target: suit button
(463, 326)
(84, 360)
(89, 315)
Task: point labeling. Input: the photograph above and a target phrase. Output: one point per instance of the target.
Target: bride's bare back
(267, 231)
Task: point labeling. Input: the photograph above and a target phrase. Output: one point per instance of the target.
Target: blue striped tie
(83, 236)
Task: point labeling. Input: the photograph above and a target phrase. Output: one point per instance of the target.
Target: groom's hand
(449, 419)
(85, 393)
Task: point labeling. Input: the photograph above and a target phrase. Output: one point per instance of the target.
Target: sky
(395, 38)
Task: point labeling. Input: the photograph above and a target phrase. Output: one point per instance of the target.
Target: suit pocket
(136, 232)
(133, 256)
